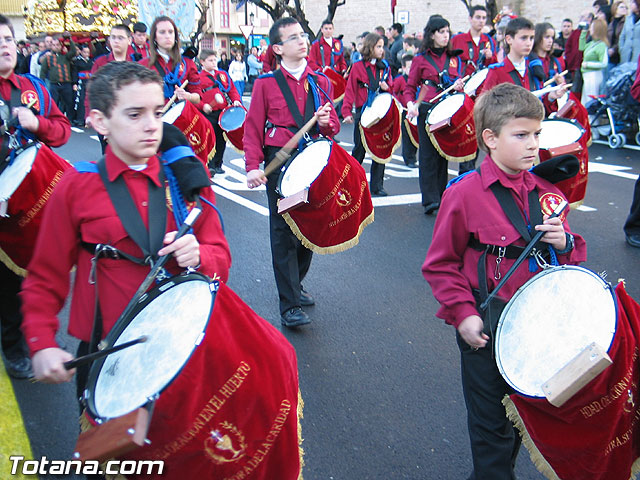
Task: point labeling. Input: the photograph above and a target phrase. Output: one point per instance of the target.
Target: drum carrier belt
(516, 217)
(217, 83)
(6, 117)
(309, 109)
(149, 241)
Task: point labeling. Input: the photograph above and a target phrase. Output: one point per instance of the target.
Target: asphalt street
(379, 374)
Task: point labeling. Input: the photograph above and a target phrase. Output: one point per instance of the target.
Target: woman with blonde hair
(595, 58)
(166, 59)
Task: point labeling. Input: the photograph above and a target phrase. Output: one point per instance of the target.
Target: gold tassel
(327, 250)
(406, 125)
(536, 457)
(224, 134)
(11, 265)
(300, 440)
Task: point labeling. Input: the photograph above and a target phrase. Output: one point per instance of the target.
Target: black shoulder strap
(291, 103)
(432, 61)
(149, 241)
(374, 81)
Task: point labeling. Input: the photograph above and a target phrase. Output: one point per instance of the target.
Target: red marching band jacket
(213, 94)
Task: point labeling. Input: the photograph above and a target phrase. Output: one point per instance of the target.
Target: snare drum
(174, 316)
(26, 185)
(476, 80)
(533, 341)
(338, 83)
(451, 128)
(195, 127)
(560, 136)
(380, 127)
(231, 120)
(339, 203)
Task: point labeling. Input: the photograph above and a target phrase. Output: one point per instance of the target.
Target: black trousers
(494, 440)
(464, 167)
(376, 175)
(409, 150)
(632, 225)
(13, 343)
(432, 167)
(62, 94)
(221, 143)
(291, 260)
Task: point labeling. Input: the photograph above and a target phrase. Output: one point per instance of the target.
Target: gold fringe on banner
(11, 265)
(536, 457)
(300, 440)
(406, 125)
(333, 248)
(444, 155)
(224, 134)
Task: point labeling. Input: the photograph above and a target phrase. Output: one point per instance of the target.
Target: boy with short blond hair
(471, 230)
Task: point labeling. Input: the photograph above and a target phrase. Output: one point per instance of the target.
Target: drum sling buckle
(501, 253)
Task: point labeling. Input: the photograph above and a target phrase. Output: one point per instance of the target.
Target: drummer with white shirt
(282, 102)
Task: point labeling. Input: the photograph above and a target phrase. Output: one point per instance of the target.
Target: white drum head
(557, 132)
(14, 174)
(171, 115)
(305, 168)
(549, 321)
(445, 108)
(377, 110)
(475, 81)
(174, 323)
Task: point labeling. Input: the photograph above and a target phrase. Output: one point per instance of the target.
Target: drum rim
(571, 121)
(182, 103)
(120, 326)
(536, 277)
(452, 95)
(284, 168)
(477, 73)
(228, 108)
(19, 151)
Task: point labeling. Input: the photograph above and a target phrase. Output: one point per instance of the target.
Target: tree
(203, 8)
(280, 8)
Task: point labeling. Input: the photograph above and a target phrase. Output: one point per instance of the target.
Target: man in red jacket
(477, 48)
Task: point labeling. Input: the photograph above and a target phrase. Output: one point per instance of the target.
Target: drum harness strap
(149, 241)
(517, 79)
(333, 52)
(516, 217)
(309, 110)
(218, 84)
(171, 79)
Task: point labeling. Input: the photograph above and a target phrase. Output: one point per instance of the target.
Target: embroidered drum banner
(451, 128)
(195, 127)
(595, 435)
(339, 202)
(380, 127)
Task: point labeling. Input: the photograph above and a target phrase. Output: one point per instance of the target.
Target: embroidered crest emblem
(306, 85)
(469, 128)
(453, 63)
(336, 45)
(386, 137)
(225, 444)
(549, 202)
(194, 139)
(29, 96)
(343, 198)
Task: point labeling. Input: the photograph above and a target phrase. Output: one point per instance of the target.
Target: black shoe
(306, 300)
(412, 165)
(431, 208)
(218, 170)
(294, 317)
(19, 368)
(633, 240)
(379, 193)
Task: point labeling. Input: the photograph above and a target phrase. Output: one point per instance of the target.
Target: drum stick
(92, 357)
(173, 98)
(285, 152)
(444, 92)
(525, 253)
(551, 80)
(545, 90)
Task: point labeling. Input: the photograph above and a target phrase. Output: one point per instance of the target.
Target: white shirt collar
(297, 73)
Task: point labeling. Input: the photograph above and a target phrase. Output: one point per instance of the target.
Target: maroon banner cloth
(456, 141)
(339, 207)
(198, 131)
(595, 435)
(382, 138)
(19, 230)
(232, 413)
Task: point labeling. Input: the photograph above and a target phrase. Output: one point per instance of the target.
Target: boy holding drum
(474, 233)
(218, 92)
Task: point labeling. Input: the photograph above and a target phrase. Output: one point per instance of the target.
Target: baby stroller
(616, 114)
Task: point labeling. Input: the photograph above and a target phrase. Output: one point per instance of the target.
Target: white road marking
(240, 200)
(77, 130)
